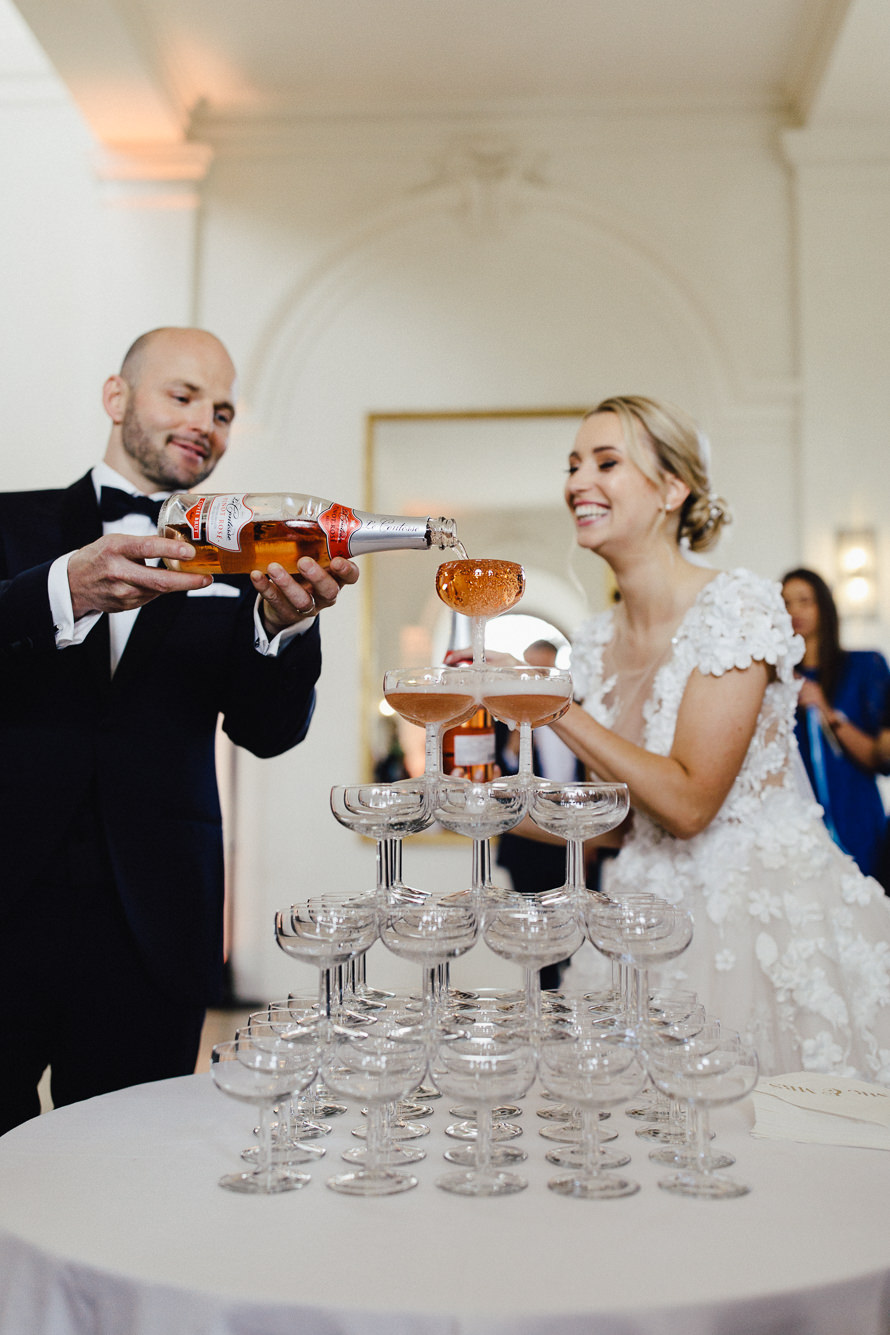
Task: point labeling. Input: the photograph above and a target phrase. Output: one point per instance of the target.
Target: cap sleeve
(739, 620)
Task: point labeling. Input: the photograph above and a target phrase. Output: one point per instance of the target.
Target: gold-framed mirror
(499, 473)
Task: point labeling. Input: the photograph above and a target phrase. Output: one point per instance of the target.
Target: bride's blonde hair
(680, 448)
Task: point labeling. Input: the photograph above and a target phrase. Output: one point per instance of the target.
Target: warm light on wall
(857, 572)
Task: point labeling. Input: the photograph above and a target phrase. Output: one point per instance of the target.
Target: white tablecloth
(112, 1223)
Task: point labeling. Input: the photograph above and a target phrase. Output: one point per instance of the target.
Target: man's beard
(150, 456)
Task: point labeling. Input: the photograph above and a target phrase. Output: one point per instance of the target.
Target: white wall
(843, 194)
(359, 267)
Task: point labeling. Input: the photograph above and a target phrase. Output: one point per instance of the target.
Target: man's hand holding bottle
(287, 600)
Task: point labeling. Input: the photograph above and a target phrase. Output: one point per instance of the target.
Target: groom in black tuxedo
(115, 672)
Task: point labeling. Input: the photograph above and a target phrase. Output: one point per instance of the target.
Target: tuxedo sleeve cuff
(67, 631)
(271, 648)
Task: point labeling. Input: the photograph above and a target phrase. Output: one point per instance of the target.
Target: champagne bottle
(469, 746)
(234, 533)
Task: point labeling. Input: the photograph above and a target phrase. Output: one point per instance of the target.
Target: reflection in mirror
(500, 475)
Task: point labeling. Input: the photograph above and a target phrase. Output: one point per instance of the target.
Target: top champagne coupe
(480, 589)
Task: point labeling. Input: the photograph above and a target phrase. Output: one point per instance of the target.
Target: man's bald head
(136, 354)
(171, 408)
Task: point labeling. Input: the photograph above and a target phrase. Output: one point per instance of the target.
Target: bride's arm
(684, 790)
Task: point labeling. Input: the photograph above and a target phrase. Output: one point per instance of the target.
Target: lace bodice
(738, 618)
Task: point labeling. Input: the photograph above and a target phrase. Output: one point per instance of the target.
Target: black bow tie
(114, 504)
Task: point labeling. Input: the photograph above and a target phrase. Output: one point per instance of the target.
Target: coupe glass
(480, 589)
(705, 1080)
(596, 1074)
(262, 1075)
(438, 929)
(694, 1149)
(534, 930)
(433, 698)
(638, 932)
(315, 1106)
(667, 1116)
(328, 930)
(563, 1118)
(385, 813)
(480, 811)
(484, 1071)
(376, 1071)
(575, 812)
(527, 697)
(277, 1028)
(503, 1127)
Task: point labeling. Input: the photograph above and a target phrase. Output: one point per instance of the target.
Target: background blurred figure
(843, 702)
(882, 764)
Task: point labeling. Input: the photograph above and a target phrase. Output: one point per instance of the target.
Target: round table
(111, 1221)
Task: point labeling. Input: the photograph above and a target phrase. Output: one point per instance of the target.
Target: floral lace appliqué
(791, 943)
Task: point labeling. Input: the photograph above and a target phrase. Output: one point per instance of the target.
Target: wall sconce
(856, 554)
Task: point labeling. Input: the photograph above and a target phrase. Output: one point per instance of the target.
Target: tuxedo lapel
(80, 525)
(80, 522)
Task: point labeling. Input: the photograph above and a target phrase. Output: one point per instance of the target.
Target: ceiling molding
(105, 60)
(153, 162)
(844, 144)
(157, 71)
(812, 60)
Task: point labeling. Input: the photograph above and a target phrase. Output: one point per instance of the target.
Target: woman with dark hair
(841, 708)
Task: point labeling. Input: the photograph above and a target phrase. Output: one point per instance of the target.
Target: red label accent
(339, 523)
(193, 517)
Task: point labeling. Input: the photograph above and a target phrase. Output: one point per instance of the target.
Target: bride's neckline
(662, 633)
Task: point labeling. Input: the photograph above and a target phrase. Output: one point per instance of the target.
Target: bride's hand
(464, 657)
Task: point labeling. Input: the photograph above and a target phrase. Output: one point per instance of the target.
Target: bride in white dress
(687, 693)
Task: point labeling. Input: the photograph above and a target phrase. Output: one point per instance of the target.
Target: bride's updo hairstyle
(680, 448)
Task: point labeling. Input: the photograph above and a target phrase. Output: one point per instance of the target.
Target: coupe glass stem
(639, 982)
(346, 985)
(374, 1138)
(533, 999)
(481, 866)
(525, 751)
(389, 864)
(701, 1122)
(590, 1140)
(325, 994)
(432, 765)
(478, 629)
(677, 1118)
(430, 980)
(264, 1147)
(483, 1138)
(575, 877)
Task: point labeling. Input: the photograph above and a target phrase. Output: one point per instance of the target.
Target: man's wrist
(269, 643)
